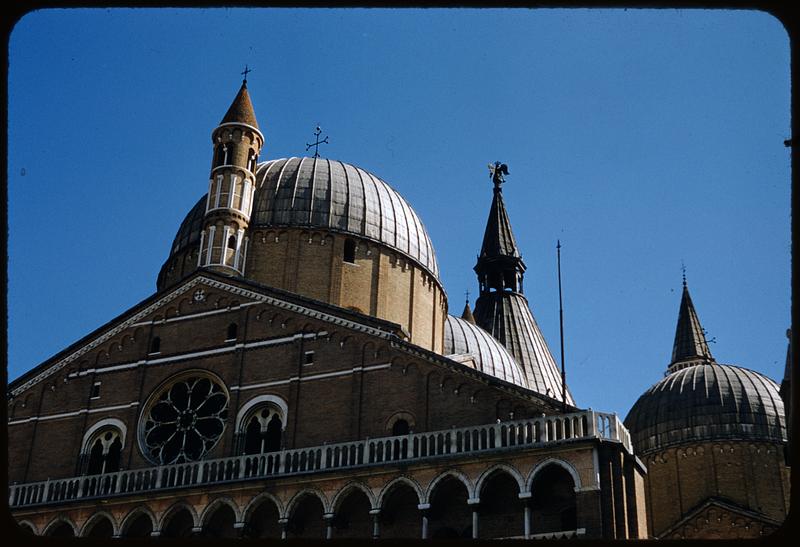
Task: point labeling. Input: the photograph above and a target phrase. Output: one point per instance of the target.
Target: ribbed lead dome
(707, 402)
(491, 356)
(330, 194)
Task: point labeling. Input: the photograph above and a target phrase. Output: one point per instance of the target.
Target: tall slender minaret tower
(501, 309)
(237, 143)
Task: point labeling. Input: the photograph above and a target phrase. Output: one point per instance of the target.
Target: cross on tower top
(316, 144)
(245, 72)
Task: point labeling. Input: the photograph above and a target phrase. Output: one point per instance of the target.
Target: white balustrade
(513, 435)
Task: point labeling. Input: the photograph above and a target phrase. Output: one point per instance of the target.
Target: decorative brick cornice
(206, 280)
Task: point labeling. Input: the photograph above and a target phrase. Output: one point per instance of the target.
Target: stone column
(526, 507)
(376, 531)
(283, 523)
(328, 517)
(423, 507)
(474, 503)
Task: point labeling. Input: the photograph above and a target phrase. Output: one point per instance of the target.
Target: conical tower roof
(466, 315)
(502, 310)
(507, 316)
(690, 341)
(498, 238)
(241, 110)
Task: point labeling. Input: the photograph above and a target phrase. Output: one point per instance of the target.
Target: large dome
(490, 356)
(330, 194)
(338, 196)
(707, 402)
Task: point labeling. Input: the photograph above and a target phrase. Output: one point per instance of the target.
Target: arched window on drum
(102, 452)
(261, 430)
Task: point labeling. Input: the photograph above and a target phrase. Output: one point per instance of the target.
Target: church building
(297, 374)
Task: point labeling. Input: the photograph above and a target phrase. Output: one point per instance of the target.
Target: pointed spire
(690, 339)
(502, 310)
(500, 266)
(241, 110)
(498, 239)
(466, 315)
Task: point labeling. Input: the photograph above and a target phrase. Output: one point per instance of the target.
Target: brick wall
(328, 400)
(751, 475)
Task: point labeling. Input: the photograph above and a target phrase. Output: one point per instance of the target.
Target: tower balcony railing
(414, 447)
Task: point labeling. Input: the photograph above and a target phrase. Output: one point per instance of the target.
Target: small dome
(491, 357)
(189, 231)
(707, 402)
(322, 193)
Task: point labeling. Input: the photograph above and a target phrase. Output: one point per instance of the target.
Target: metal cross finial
(245, 72)
(467, 295)
(683, 269)
(317, 133)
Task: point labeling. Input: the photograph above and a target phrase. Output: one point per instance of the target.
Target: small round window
(184, 420)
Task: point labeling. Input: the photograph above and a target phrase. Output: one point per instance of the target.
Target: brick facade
(361, 377)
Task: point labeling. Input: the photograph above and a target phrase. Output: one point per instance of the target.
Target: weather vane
(245, 72)
(496, 173)
(317, 133)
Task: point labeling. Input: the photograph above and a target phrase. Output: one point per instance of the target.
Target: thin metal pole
(561, 328)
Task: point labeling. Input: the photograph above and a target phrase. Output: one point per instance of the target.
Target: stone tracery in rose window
(185, 419)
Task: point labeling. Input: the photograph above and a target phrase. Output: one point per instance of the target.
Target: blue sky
(640, 138)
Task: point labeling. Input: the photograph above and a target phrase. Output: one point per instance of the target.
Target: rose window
(185, 420)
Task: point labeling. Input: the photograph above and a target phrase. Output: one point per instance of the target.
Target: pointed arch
(347, 489)
(415, 486)
(256, 502)
(56, 521)
(25, 523)
(105, 422)
(553, 461)
(502, 468)
(215, 504)
(455, 473)
(262, 399)
(299, 495)
(174, 508)
(92, 521)
(133, 514)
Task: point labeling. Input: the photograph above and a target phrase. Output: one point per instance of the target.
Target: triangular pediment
(204, 293)
(711, 511)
